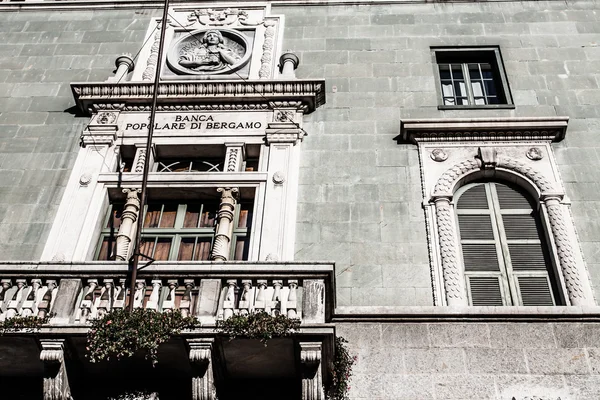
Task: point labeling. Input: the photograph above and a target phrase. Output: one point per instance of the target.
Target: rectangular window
(471, 77)
(179, 231)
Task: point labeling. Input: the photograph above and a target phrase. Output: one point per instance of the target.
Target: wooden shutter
(503, 249)
(479, 247)
(525, 250)
(485, 291)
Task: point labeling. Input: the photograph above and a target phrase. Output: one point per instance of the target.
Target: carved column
(128, 227)
(203, 387)
(312, 380)
(453, 275)
(564, 249)
(56, 382)
(222, 244)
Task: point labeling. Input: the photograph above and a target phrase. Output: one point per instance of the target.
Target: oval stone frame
(173, 53)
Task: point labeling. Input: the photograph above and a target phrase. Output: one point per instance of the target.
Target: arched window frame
(456, 151)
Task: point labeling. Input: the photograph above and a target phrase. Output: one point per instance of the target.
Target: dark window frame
(473, 55)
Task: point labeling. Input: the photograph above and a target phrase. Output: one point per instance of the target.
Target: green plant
(258, 325)
(17, 323)
(341, 371)
(120, 334)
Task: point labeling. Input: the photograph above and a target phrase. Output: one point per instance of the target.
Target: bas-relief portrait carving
(209, 52)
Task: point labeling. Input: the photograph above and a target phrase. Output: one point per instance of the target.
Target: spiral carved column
(564, 249)
(453, 278)
(222, 244)
(127, 229)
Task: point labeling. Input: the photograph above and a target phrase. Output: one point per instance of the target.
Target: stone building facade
(417, 177)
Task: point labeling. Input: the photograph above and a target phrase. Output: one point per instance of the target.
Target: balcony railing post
(313, 301)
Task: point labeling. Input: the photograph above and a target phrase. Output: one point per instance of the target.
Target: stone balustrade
(72, 294)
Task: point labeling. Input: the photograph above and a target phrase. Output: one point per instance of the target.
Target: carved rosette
(452, 270)
(565, 251)
(128, 227)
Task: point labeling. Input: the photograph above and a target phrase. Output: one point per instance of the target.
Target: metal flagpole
(134, 260)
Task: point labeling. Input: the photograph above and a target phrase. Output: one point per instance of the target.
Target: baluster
(30, 303)
(120, 294)
(229, 302)
(185, 305)
(261, 297)
(169, 303)
(291, 303)
(106, 296)
(275, 305)
(48, 297)
(155, 295)
(6, 285)
(140, 293)
(87, 304)
(14, 305)
(245, 303)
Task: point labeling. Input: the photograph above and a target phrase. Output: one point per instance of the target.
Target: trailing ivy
(341, 371)
(258, 325)
(120, 333)
(17, 323)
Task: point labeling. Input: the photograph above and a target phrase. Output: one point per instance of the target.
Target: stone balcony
(74, 293)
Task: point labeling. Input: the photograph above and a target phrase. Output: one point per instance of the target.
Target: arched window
(503, 246)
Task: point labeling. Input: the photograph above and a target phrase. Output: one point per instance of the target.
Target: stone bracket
(56, 383)
(312, 379)
(203, 387)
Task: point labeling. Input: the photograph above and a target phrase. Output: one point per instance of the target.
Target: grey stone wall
(360, 192)
(41, 52)
(474, 360)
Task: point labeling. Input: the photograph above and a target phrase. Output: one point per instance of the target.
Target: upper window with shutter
(503, 246)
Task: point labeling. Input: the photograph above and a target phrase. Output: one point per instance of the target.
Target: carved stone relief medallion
(209, 52)
(439, 155)
(535, 154)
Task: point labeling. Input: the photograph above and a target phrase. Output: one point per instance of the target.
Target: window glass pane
(192, 213)
(462, 101)
(114, 220)
(457, 73)
(474, 71)
(241, 248)
(163, 246)
(209, 213)
(152, 216)
(460, 88)
(147, 246)
(490, 87)
(186, 249)
(493, 100)
(480, 101)
(106, 249)
(449, 101)
(447, 89)
(168, 216)
(486, 70)
(477, 88)
(444, 71)
(245, 218)
(202, 249)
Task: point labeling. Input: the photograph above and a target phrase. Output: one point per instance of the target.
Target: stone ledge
(478, 129)
(465, 314)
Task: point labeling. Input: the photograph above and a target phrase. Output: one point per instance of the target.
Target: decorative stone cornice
(480, 129)
(309, 94)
